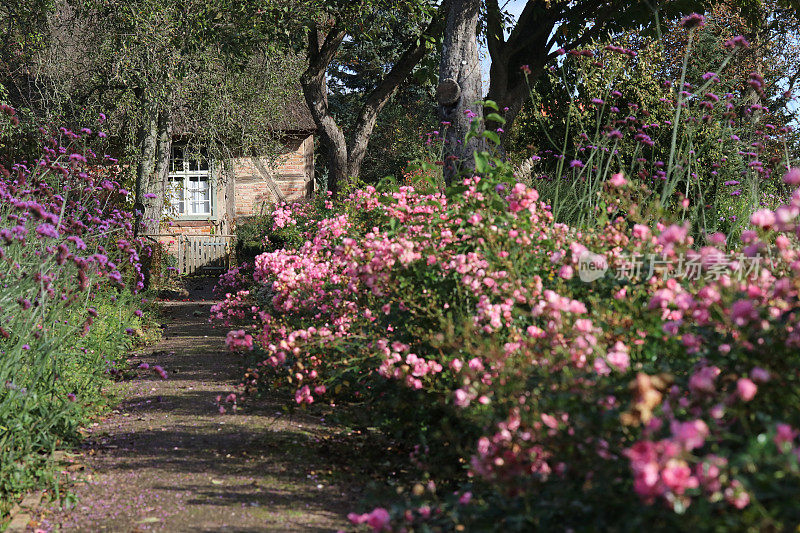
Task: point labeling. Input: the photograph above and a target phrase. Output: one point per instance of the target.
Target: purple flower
(738, 41)
(695, 20)
(47, 230)
(575, 164)
(150, 195)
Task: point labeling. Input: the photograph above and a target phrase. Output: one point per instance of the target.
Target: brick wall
(292, 174)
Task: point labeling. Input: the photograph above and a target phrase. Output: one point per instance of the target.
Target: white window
(189, 193)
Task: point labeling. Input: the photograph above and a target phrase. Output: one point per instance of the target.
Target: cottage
(205, 198)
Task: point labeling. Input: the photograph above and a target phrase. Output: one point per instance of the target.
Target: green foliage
(709, 142)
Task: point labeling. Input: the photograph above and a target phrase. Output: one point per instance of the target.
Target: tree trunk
(147, 140)
(510, 92)
(331, 137)
(156, 185)
(345, 158)
(228, 175)
(460, 90)
(321, 50)
(152, 180)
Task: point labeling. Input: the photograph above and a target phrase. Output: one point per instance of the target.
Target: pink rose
(690, 434)
(783, 434)
(746, 389)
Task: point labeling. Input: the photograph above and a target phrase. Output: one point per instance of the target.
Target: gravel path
(167, 460)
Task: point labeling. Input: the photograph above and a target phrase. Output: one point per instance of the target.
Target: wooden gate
(198, 253)
(206, 253)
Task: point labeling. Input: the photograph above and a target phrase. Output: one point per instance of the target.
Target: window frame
(185, 176)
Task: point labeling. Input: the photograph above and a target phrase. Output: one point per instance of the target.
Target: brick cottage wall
(292, 173)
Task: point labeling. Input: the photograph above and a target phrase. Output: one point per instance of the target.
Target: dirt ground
(167, 460)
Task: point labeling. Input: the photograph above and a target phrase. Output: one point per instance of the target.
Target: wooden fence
(197, 253)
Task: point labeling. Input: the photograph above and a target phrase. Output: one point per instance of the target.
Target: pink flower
(617, 180)
(618, 357)
(695, 20)
(736, 495)
(566, 272)
(742, 312)
(378, 519)
(303, 395)
(677, 476)
(717, 239)
(640, 231)
(673, 234)
(703, 379)
(690, 434)
(550, 421)
(462, 398)
(792, 177)
(746, 389)
(763, 218)
(784, 434)
(238, 340)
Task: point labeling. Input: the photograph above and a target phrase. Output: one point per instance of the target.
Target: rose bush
(646, 396)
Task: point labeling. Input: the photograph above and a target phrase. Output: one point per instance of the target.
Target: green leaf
(492, 136)
(482, 165)
(495, 118)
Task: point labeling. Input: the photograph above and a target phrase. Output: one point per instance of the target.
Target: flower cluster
(640, 388)
(69, 268)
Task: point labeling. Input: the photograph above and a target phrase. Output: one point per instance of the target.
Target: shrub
(462, 324)
(69, 268)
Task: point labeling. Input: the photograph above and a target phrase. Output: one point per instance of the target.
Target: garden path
(167, 460)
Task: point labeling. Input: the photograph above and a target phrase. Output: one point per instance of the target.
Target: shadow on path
(167, 460)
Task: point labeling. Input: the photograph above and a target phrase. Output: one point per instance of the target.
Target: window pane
(176, 164)
(176, 196)
(200, 195)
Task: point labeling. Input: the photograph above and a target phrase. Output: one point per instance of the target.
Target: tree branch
(321, 54)
(379, 96)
